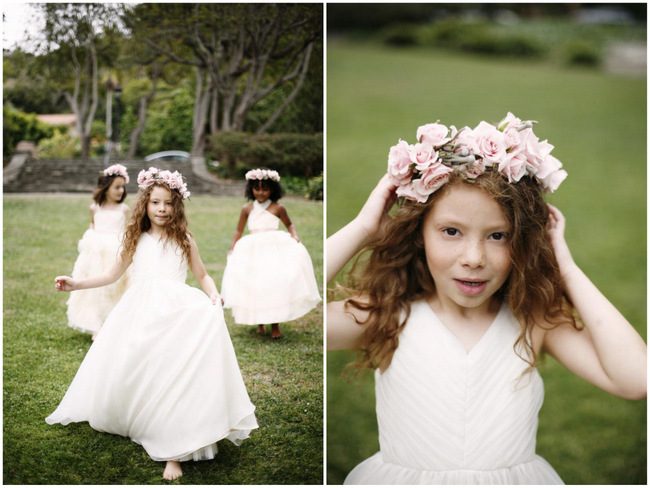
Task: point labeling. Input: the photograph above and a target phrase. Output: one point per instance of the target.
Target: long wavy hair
(393, 272)
(103, 184)
(176, 231)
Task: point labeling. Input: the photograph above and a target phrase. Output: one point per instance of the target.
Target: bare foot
(275, 331)
(172, 470)
(261, 329)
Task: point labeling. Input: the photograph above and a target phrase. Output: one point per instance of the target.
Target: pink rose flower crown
(510, 147)
(174, 181)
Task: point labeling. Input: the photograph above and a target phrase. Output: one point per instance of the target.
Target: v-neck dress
(269, 277)
(98, 251)
(448, 416)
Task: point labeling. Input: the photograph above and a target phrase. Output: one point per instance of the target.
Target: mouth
(471, 287)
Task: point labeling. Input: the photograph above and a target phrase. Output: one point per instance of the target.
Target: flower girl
(163, 370)
(98, 248)
(465, 285)
(269, 276)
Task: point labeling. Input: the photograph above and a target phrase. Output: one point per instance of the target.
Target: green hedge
(18, 126)
(289, 154)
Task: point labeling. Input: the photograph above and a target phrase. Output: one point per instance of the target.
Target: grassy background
(41, 356)
(597, 123)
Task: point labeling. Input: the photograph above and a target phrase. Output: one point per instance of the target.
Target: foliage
(581, 52)
(284, 378)
(289, 154)
(539, 38)
(18, 126)
(587, 435)
(169, 123)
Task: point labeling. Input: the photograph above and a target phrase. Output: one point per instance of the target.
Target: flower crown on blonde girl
(511, 147)
(263, 174)
(116, 170)
(173, 180)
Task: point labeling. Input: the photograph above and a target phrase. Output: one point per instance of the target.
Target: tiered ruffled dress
(98, 251)
(269, 277)
(447, 416)
(162, 370)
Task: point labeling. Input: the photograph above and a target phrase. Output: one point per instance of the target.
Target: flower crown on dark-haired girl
(268, 178)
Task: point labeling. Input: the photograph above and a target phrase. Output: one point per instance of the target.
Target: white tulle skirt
(269, 278)
(162, 372)
(88, 309)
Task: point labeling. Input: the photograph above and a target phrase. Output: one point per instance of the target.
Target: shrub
(580, 52)
(18, 126)
(289, 154)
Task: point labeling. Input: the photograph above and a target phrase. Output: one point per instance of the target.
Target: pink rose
(490, 142)
(514, 166)
(536, 151)
(552, 181)
(422, 155)
(434, 134)
(399, 163)
(432, 179)
(509, 122)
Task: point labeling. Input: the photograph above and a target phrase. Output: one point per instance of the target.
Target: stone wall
(25, 174)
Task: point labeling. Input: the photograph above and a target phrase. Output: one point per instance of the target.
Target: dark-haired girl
(98, 248)
(269, 276)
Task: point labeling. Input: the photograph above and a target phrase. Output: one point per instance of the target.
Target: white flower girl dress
(162, 370)
(98, 248)
(448, 416)
(269, 277)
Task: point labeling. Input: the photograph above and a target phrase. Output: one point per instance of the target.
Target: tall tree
(77, 37)
(240, 53)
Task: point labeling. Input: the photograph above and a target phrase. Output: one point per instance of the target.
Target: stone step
(61, 175)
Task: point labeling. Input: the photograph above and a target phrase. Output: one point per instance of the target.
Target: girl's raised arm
(344, 329)
(344, 244)
(65, 283)
(609, 352)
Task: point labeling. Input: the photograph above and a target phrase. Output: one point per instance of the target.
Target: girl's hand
(64, 283)
(375, 211)
(555, 227)
(295, 238)
(214, 297)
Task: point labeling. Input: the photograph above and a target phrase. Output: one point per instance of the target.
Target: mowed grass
(597, 123)
(41, 356)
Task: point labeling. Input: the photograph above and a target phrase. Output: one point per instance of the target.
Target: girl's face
(466, 245)
(159, 207)
(115, 190)
(261, 193)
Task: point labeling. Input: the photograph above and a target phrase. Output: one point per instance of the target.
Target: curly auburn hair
(175, 230)
(103, 184)
(274, 186)
(395, 273)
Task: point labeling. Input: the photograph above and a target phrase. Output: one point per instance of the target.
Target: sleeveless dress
(162, 370)
(446, 416)
(269, 277)
(98, 251)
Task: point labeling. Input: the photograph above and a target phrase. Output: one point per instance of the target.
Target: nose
(473, 254)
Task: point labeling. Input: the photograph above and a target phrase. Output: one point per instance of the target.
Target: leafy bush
(18, 126)
(289, 154)
(580, 52)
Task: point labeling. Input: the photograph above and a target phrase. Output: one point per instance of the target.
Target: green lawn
(41, 355)
(597, 123)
